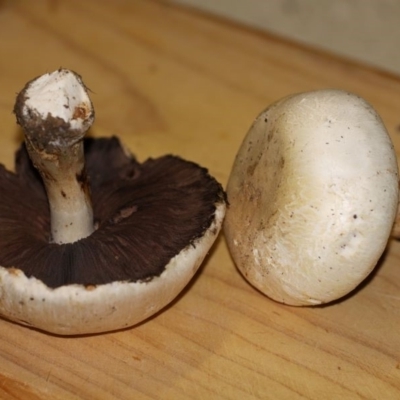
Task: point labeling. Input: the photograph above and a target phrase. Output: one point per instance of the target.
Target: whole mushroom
(313, 197)
(96, 245)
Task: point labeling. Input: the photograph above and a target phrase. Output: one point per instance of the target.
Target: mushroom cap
(155, 222)
(78, 309)
(313, 195)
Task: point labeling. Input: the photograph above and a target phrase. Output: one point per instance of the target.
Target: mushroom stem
(55, 112)
(67, 190)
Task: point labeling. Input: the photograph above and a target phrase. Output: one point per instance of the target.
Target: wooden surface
(171, 81)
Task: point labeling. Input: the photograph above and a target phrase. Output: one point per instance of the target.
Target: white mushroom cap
(313, 195)
(76, 309)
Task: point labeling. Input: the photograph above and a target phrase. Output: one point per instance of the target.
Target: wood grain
(168, 80)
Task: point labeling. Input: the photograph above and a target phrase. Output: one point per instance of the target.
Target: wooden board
(168, 80)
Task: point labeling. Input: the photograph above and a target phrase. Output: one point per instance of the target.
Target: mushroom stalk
(55, 112)
(64, 177)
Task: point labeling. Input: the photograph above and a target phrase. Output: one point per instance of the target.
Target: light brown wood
(168, 80)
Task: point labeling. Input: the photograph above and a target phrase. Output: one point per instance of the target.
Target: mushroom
(313, 195)
(115, 240)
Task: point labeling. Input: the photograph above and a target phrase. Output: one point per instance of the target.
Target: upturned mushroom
(96, 245)
(313, 196)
